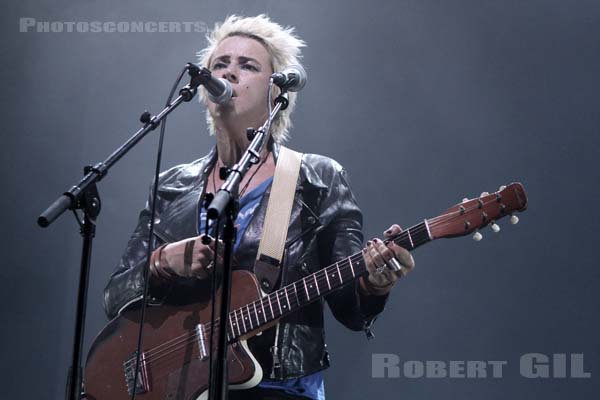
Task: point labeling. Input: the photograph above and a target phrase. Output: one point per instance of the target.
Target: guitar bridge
(142, 385)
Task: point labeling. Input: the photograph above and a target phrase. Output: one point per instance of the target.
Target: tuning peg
(501, 188)
(495, 227)
(477, 236)
(484, 194)
(514, 219)
(465, 200)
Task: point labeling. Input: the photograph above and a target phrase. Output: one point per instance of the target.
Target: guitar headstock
(473, 214)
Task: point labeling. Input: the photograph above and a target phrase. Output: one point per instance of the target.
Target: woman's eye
(250, 67)
(218, 65)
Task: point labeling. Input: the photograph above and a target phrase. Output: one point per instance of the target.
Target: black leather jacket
(325, 227)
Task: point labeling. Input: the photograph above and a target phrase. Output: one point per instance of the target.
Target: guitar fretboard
(312, 287)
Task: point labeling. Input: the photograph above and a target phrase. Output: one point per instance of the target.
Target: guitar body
(171, 368)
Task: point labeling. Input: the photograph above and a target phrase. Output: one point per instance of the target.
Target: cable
(151, 234)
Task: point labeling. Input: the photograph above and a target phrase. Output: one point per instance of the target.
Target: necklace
(247, 183)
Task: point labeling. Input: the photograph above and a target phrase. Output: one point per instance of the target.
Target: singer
(325, 224)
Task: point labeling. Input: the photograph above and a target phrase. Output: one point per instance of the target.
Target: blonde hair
(282, 45)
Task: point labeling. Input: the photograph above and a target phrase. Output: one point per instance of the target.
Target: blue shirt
(310, 386)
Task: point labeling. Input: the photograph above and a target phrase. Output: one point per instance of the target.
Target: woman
(325, 222)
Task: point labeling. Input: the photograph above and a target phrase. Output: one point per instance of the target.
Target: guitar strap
(275, 227)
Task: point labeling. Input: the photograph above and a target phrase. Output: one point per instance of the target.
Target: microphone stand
(226, 204)
(84, 196)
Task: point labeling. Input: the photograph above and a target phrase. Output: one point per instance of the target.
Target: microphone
(219, 90)
(293, 78)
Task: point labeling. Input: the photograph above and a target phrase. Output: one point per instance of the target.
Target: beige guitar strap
(277, 218)
(275, 228)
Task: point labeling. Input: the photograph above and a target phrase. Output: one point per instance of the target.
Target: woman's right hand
(187, 258)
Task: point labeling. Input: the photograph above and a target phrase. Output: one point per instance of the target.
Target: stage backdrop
(423, 102)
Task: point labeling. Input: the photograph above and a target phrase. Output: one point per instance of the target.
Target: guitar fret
(351, 267)
(317, 284)
(231, 324)
(327, 278)
(306, 289)
(249, 317)
(287, 298)
(339, 273)
(232, 321)
(237, 319)
(271, 305)
(256, 313)
(422, 234)
(296, 293)
(263, 310)
(243, 322)
(427, 228)
(279, 303)
(412, 245)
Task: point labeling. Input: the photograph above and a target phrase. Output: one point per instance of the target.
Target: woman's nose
(230, 75)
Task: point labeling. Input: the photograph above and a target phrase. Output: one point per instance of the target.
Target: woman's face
(246, 64)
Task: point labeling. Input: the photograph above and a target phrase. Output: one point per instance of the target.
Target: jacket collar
(179, 219)
(308, 175)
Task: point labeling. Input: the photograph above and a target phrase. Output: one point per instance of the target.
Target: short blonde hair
(282, 45)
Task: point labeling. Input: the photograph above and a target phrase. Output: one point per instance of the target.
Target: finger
(221, 248)
(403, 256)
(378, 259)
(188, 257)
(385, 252)
(376, 275)
(393, 230)
(383, 274)
(399, 260)
(368, 259)
(204, 255)
(388, 273)
(375, 266)
(219, 245)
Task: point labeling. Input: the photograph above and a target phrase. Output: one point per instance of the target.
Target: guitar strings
(184, 340)
(261, 303)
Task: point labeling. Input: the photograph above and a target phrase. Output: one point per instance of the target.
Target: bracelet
(155, 269)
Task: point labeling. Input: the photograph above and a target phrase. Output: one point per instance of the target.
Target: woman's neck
(230, 150)
(230, 147)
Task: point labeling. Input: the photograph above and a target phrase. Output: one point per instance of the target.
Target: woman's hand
(385, 263)
(187, 258)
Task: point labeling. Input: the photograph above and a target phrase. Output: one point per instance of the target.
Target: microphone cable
(151, 242)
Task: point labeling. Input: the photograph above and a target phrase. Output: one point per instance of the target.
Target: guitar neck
(314, 286)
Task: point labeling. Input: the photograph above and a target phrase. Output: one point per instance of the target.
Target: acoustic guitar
(175, 346)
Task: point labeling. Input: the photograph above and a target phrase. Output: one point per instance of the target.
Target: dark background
(424, 102)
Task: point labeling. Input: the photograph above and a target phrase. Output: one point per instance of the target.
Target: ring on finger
(380, 269)
(394, 264)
